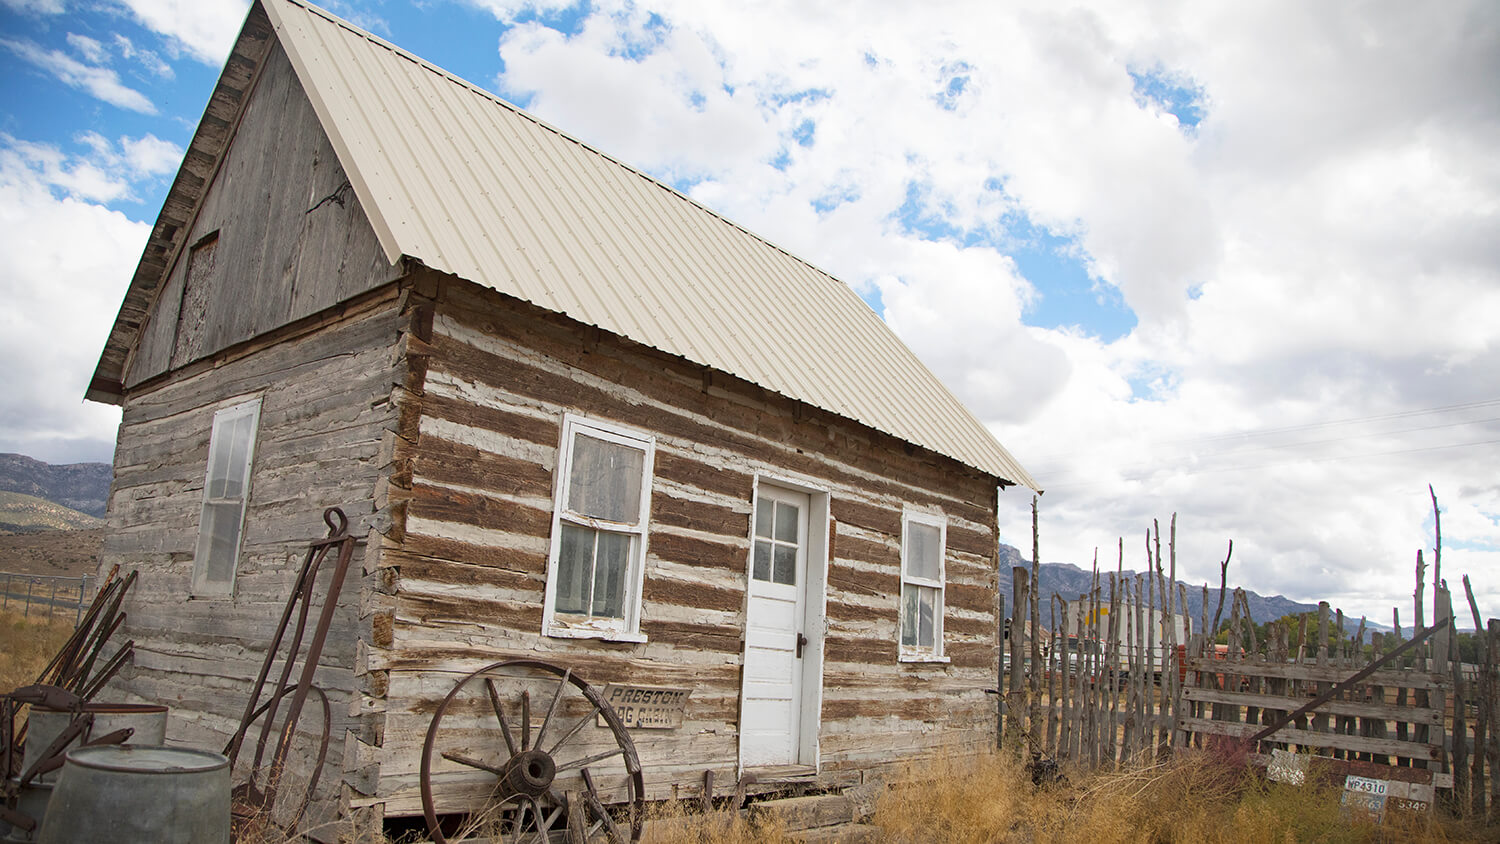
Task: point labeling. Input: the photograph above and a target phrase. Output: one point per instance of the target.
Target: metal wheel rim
(565, 677)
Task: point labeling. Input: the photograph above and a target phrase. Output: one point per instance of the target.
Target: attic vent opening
(191, 314)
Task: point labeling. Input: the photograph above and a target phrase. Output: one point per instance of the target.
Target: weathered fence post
(1492, 704)
(1015, 702)
(1000, 634)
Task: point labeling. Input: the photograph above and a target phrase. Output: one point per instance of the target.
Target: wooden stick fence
(1123, 675)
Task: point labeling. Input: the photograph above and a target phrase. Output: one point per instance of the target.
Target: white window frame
(917, 653)
(202, 586)
(627, 629)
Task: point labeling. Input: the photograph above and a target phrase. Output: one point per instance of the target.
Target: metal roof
(471, 185)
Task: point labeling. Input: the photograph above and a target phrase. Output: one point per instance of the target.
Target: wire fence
(49, 597)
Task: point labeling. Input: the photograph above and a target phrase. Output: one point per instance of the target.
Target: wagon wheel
(484, 742)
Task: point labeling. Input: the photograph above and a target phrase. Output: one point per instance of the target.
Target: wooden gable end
(277, 235)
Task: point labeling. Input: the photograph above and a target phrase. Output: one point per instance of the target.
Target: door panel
(770, 714)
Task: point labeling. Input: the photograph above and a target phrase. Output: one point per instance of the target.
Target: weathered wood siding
(291, 238)
(325, 438)
(468, 554)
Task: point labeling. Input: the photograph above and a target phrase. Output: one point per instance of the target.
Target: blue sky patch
(803, 134)
(1152, 382)
(1067, 295)
(955, 78)
(834, 198)
(917, 216)
(806, 95)
(1176, 95)
(569, 21)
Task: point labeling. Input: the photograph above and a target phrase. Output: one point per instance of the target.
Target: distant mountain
(78, 486)
(29, 514)
(1070, 581)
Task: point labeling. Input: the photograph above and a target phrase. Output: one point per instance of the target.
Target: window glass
(605, 480)
(763, 518)
(922, 551)
(762, 567)
(225, 487)
(786, 522)
(777, 525)
(922, 587)
(785, 568)
(599, 536)
(575, 564)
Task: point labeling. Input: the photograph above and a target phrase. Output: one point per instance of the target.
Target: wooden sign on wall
(647, 707)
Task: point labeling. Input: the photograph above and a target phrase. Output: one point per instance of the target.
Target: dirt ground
(68, 553)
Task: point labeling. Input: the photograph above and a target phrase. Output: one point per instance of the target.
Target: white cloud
(147, 58)
(29, 165)
(150, 155)
(99, 82)
(91, 50)
(205, 28)
(63, 299)
(35, 7)
(106, 175)
(1322, 246)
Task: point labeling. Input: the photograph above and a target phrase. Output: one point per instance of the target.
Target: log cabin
(574, 417)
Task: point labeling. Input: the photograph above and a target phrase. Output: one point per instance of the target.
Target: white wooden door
(771, 707)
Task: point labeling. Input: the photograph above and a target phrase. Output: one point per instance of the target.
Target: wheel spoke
(552, 708)
(520, 820)
(543, 824)
(473, 763)
(489, 687)
(526, 719)
(573, 730)
(587, 760)
(592, 796)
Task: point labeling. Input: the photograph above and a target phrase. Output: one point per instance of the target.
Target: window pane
(926, 603)
(762, 568)
(610, 565)
(605, 480)
(575, 569)
(785, 570)
(218, 459)
(922, 550)
(763, 512)
(908, 615)
(218, 536)
(786, 522)
(237, 444)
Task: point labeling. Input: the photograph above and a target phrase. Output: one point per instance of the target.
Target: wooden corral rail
(1239, 698)
(1124, 675)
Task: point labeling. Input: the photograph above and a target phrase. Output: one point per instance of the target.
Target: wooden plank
(1311, 738)
(1386, 712)
(1405, 678)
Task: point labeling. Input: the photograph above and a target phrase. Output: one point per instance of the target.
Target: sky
(1237, 262)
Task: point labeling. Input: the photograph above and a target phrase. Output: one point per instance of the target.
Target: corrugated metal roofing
(474, 186)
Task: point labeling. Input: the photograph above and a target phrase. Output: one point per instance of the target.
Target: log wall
(467, 553)
(325, 438)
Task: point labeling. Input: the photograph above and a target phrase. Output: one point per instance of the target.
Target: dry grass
(28, 644)
(1196, 798)
(681, 823)
(991, 800)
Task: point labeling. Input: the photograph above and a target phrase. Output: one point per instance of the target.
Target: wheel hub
(530, 772)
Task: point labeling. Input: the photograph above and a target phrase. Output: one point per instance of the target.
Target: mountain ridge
(1070, 581)
(78, 486)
